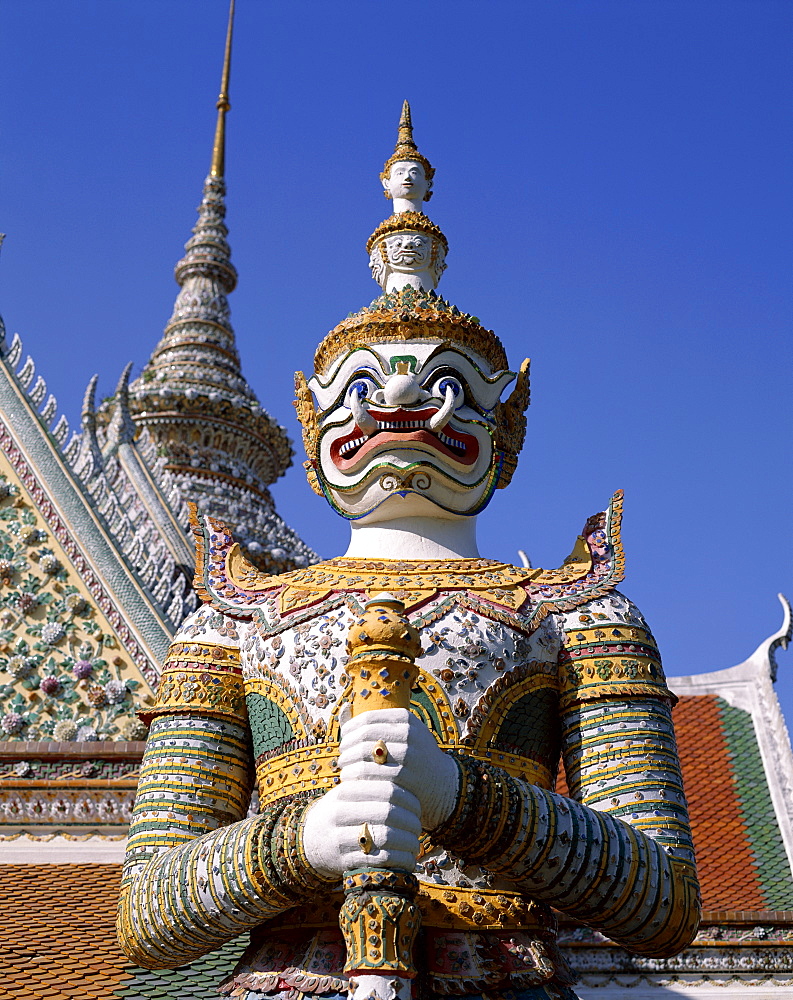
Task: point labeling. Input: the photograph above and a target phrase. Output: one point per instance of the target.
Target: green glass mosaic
(531, 728)
(270, 727)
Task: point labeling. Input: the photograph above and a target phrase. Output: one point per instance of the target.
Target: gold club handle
(379, 918)
(383, 648)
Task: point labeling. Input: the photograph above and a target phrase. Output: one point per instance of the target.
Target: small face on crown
(408, 251)
(407, 181)
(408, 258)
(407, 428)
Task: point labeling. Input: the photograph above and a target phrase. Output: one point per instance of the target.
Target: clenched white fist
(416, 787)
(415, 761)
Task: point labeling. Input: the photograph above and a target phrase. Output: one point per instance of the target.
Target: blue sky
(614, 179)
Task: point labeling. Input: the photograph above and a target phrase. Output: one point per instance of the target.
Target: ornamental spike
(88, 411)
(218, 168)
(88, 461)
(405, 129)
(121, 429)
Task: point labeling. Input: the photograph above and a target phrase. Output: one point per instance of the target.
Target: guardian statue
(406, 710)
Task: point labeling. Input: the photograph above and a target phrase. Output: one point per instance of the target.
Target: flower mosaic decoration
(61, 677)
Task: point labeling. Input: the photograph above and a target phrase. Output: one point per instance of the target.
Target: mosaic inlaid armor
(522, 673)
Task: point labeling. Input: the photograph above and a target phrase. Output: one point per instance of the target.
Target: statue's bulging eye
(362, 388)
(447, 382)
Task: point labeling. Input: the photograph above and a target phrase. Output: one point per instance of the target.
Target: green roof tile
(757, 809)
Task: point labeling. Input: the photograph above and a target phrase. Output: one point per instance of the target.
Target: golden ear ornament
(511, 425)
(307, 415)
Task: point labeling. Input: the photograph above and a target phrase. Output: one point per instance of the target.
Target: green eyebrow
(407, 359)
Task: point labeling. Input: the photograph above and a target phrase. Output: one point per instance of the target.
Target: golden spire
(218, 167)
(405, 131)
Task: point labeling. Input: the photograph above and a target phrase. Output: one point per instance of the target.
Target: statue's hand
(416, 787)
(335, 823)
(414, 761)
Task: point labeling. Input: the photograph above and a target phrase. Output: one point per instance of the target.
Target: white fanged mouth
(403, 425)
(403, 429)
(351, 445)
(398, 425)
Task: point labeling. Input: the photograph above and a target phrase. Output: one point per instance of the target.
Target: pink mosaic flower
(11, 723)
(50, 685)
(82, 669)
(26, 602)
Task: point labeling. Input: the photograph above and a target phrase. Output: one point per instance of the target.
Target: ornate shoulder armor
(609, 651)
(202, 673)
(231, 584)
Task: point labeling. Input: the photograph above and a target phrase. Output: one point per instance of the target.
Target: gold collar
(227, 579)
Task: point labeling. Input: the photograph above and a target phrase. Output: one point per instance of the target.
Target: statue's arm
(197, 873)
(618, 854)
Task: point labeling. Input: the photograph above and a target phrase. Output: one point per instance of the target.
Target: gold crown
(406, 222)
(406, 149)
(410, 314)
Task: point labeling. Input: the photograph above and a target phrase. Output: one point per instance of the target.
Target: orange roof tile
(727, 869)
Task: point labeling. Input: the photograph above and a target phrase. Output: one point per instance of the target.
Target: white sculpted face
(407, 181)
(407, 428)
(408, 258)
(409, 252)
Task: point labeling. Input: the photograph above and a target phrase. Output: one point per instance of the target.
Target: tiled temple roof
(58, 941)
(740, 852)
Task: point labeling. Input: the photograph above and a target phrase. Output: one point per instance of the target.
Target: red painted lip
(463, 448)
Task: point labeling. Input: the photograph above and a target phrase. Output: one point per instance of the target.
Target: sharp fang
(363, 418)
(440, 419)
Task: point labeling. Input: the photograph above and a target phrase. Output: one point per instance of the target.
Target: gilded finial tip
(405, 129)
(406, 149)
(223, 105)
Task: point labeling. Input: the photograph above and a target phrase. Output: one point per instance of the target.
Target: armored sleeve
(197, 872)
(617, 852)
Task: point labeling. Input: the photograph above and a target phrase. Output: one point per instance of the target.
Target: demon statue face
(405, 428)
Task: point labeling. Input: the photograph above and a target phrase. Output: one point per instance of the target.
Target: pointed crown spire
(406, 149)
(223, 105)
(405, 129)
